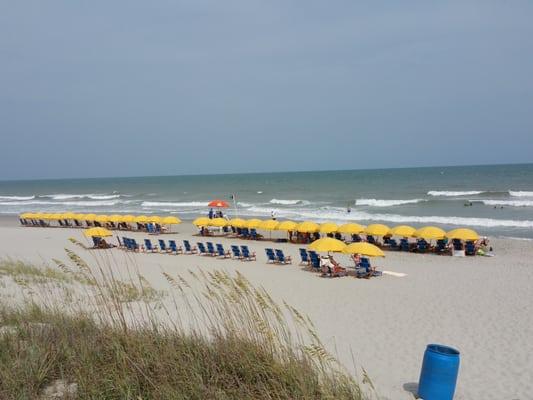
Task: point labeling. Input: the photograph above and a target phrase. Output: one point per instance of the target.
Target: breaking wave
(17, 197)
(511, 203)
(174, 204)
(454, 193)
(385, 203)
(520, 193)
(289, 202)
(92, 196)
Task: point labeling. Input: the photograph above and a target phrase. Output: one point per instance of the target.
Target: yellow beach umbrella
(56, 216)
(463, 234)
(430, 232)
(69, 215)
(78, 216)
(30, 215)
(115, 218)
(171, 220)
(253, 223)
(327, 244)
(201, 221)
(237, 222)
(102, 218)
(128, 218)
(25, 215)
(269, 225)
(403, 230)
(141, 219)
(287, 226)
(351, 228)
(38, 215)
(377, 230)
(156, 219)
(363, 248)
(45, 216)
(328, 227)
(219, 222)
(97, 232)
(90, 217)
(307, 227)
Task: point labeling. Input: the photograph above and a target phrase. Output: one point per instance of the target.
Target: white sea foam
(510, 203)
(174, 203)
(243, 204)
(454, 193)
(520, 193)
(17, 197)
(289, 202)
(385, 203)
(81, 203)
(340, 214)
(62, 196)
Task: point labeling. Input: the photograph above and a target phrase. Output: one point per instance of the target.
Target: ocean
(494, 200)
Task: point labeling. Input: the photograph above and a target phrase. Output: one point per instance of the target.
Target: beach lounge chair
(271, 256)
(247, 255)
(174, 248)
(370, 239)
(457, 245)
(315, 261)
(148, 246)
(211, 249)
(470, 248)
(253, 234)
(96, 242)
(163, 246)
(236, 252)
(202, 250)
(134, 245)
(441, 246)
(60, 223)
(120, 243)
(393, 244)
(422, 246)
(245, 233)
(77, 223)
(282, 259)
(304, 257)
(404, 244)
(188, 249)
(221, 253)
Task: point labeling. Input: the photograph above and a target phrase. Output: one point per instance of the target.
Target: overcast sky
(129, 88)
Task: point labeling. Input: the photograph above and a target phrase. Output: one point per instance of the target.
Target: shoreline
(480, 305)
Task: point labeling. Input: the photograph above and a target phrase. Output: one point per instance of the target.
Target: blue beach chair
(236, 252)
(422, 246)
(304, 257)
(211, 249)
(470, 248)
(174, 248)
(247, 255)
(282, 259)
(202, 250)
(271, 257)
(148, 246)
(221, 253)
(163, 246)
(188, 249)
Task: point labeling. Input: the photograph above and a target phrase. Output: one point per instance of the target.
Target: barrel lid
(444, 350)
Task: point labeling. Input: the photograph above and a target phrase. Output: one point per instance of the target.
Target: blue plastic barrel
(439, 373)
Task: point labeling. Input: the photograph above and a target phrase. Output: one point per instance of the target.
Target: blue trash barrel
(439, 373)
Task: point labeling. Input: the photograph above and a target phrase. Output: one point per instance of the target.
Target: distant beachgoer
(273, 215)
(348, 210)
(210, 213)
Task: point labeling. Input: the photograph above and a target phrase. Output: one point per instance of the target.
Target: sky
(137, 88)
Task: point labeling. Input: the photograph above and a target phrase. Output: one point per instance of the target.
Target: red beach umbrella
(218, 203)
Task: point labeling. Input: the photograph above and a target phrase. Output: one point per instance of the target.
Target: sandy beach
(479, 305)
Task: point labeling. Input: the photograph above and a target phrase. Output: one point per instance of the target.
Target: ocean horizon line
(263, 172)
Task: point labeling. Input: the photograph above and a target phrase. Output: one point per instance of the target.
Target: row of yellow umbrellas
(329, 244)
(169, 220)
(427, 232)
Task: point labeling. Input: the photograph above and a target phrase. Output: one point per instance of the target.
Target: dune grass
(215, 336)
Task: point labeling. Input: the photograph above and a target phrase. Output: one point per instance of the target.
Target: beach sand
(479, 305)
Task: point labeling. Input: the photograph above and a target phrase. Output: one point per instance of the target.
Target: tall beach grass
(211, 335)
